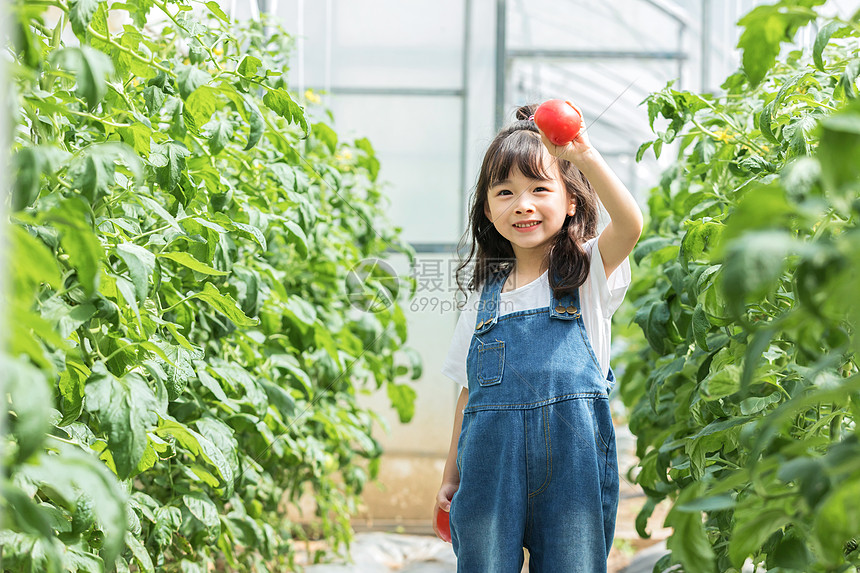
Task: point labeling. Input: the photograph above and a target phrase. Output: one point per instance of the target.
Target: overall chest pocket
(491, 363)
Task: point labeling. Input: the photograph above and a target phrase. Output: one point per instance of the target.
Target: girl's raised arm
(619, 237)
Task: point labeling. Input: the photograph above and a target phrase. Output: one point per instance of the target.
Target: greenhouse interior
(231, 246)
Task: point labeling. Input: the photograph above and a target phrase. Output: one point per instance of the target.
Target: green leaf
(153, 98)
(70, 471)
(298, 308)
(198, 445)
(283, 402)
(202, 103)
(248, 67)
(81, 14)
(80, 243)
(651, 245)
(94, 172)
(72, 388)
(754, 265)
(203, 508)
(839, 148)
(225, 305)
(256, 122)
(700, 238)
(765, 28)
(29, 164)
(751, 530)
(640, 153)
(189, 78)
(219, 131)
(140, 263)
(701, 327)
(723, 382)
(217, 11)
(280, 102)
(689, 543)
(325, 134)
(402, 399)
(297, 237)
(66, 319)
(756, 404)
(169, 159)
(652, 318)
(179, 368)
(237, 377)
(187, 260)
(799, 134)
(167, 521)
(711, 503)
(138, 136)
(126, 411)
(91, 68)
(140, 553)
(821, 40)
(30, 400)
(211, 383)
(160, 211)
(40, 266)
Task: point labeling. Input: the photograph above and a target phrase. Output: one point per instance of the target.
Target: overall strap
(488, 307)
(565, 307)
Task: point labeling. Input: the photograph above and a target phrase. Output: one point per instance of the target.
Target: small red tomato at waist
(443, 524)
(559, 120)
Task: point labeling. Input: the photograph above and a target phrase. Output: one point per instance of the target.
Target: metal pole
(501, 59)
(300, 48)
(329, 16)
(464, 135)
(8, 103)
(680, 60)
(706, 46)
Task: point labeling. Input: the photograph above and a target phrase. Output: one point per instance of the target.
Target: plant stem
(99, 119)
(163, 7)
(172, 306)
(130, 52)
(136, 237)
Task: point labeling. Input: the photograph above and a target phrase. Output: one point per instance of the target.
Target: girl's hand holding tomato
(562, 130)
(441, 524)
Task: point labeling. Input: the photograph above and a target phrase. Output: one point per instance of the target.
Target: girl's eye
(541, 189)
(503, 191)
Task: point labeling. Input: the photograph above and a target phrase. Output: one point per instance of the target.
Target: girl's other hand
(443, 504)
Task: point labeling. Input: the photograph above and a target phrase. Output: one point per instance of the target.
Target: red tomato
(443, 525)
(559, 120)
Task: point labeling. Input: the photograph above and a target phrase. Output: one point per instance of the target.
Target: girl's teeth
(529, 225)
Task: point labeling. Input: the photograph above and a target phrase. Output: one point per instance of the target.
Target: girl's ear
(571, 209)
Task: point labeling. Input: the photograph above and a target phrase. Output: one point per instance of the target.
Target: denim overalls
(536, 452)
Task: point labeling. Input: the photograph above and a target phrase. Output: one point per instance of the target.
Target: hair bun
(526, 111)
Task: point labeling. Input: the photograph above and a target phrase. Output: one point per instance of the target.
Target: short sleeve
(610, 291)
(454, 366)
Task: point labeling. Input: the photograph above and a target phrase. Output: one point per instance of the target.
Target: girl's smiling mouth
(526, 226)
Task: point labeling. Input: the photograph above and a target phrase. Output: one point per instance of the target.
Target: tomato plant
(744, 386)
(183, 361)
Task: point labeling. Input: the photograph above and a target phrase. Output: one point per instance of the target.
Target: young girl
(532, 461)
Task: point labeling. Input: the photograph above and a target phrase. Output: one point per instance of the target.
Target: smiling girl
(532, 461)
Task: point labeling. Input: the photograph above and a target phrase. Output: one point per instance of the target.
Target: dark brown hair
(519, 146)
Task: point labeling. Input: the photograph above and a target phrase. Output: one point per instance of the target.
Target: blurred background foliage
(184, 356)
(743, 381)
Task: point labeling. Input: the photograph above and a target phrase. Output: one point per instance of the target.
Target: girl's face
(529, 212)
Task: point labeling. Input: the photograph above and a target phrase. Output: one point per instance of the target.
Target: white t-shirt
(599, 297)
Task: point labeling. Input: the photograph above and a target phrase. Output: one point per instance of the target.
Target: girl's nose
(524, 205)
